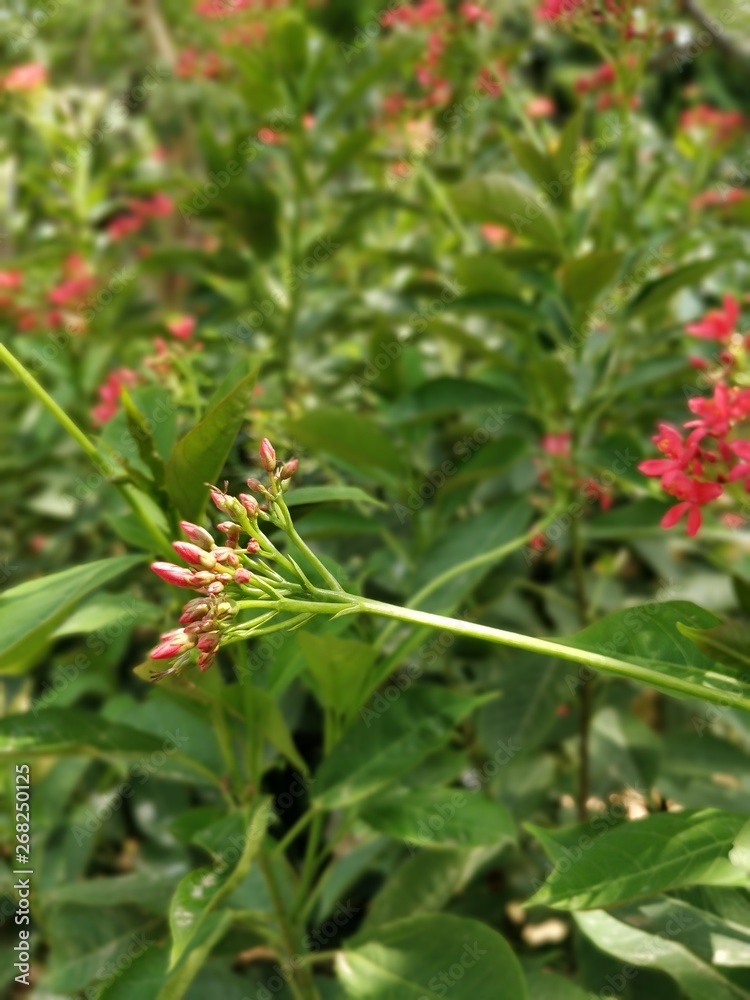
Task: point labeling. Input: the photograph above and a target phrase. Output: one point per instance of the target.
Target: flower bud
(197, 535)
(194, 610)
(232, 531)
(172, 646)
(194, 555)
(255, 485)
(267, 455)
(209, 642)
(225, 609)
(226, 556)
(253, 547)
(215, 588)
(288, 469)
(205, 660)
(177, 575)
(250, 504)
(243, 576)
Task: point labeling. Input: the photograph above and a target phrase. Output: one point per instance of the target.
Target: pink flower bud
(194, 555)
(288, 469)
(205, 660)
(243, 576)
(250, 504)
(215, 588)
(267, 455)
(194, 611)
(209, 642)
(232, 531)
(197, 535)
(253, 546)
(226, 556)
(255, 485)
(220, 500)
(177, 575)
(172, 646)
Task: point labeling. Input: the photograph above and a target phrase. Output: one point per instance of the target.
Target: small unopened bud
(232, 531)
(243, 576)
(177, 575)
(194, 555)
(197, 535)
(215, 588)
(205, 660)
(209, 642)
(288, 469)
(172, 645)
(255, 485)
(225, 609)
(194, 611)
(250, 504)
(226, 556)
(253, 547)
(267, 455)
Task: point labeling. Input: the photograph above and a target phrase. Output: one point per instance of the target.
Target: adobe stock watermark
(429, 655)
(58, 341)
(463, 450)
(257, 317)
(94, 818)
(247, 151)
(599, 316)
(418, 321)
(442, 815)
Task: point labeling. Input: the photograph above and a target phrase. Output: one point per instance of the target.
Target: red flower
(718, 324)
(25, 77)
(554, 10)
(556, 444)
(182, 327)
(692, 494)
(679, 454)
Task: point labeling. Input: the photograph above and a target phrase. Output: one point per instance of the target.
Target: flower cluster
(704, 460)
(140, 211)
(239, 567)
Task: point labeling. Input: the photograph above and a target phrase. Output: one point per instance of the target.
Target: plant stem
(550, 647)
(302, 545)
(304, 987)
(585, 691)
(87, 445)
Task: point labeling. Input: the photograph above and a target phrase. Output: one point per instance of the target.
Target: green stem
(303, 988)
(302, 545)
(549, 647)
(131, 496)
(585, 692)
(483, 559)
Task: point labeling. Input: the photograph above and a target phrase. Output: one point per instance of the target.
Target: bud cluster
(224, 573)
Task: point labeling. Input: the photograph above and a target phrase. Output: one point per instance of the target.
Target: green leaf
(548, 986)
(695, 977)
(353, 438)
(648, 637)
(440, 816)
(503, 199)
(728, 643)
(264, 715)
(425, 882)
(338, 668)
(389, 739)
(447, 395)
(71, 731)
(203, 889)
(740, 853)
(329, 494)
(641, 858)
(585, 277)
(658, 292)
(30, 612)
(421, 957)
(210, 931)
(200, 455)
(473, 537)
